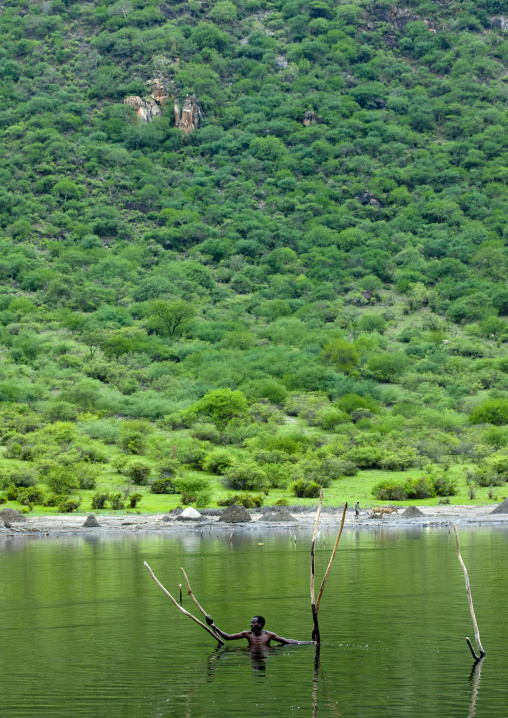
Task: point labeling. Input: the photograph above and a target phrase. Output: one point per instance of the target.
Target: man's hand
(209, 620)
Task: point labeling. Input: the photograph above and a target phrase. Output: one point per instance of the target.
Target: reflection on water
(85, 631)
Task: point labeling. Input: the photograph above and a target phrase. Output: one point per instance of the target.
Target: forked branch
(180, 608)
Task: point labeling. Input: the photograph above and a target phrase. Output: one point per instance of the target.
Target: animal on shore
(380, 510)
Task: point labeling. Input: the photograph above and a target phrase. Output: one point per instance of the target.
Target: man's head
(257, 623)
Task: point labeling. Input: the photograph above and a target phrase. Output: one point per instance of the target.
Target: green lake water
(84, 630)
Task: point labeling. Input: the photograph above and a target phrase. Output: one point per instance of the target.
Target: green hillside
(301, 282)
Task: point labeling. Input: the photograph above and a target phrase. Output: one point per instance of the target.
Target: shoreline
(72, 524)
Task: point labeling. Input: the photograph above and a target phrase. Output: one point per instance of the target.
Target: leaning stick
(180, 608)
(190, 593)
(315, 630)
(331, 559)
(470, 600)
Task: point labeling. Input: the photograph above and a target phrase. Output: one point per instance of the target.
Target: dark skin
(257, 637)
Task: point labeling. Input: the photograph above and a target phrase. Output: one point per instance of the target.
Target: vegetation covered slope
(339, 284)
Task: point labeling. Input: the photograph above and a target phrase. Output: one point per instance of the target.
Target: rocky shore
(18, 525)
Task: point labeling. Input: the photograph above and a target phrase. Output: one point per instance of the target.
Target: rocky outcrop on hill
(311, 118)
(148, 109)
(191, 115)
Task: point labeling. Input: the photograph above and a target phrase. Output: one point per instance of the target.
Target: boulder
(91, 522)
(235, 515)
(11, 515)
(502, 508)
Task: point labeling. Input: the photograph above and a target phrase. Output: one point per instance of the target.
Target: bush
(281, 502)
(206, 432)
(492, 411)
(61, 481)
(365, 457)
(399, 461)
(86, 475)
(99, 499)
(250, 501)
(190, 487)
(69, 505)
(30, 495)
(162, 486)
(3, 500)
(55, 499)
(203, 498)
(245, 477)
(138, 472)
(12, 492)
(305, 489)
(116, 501)
(133, 442)
(134, 500)
(485, 476)
(389, 490)
(218, 461)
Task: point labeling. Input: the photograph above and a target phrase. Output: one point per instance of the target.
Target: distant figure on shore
(357, 510)
(257, 637)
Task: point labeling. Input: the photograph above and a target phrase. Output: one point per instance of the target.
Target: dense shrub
(250, 501)
(100, 499)
(134, 500)
(305, 489)
(492, 411)
(245, 477)
(365, 457)
(133, 442)
(163, 486)
(30, 495)
(116, 501)
(69, 505)
(192, 487)
(218, 461)
(138, 472)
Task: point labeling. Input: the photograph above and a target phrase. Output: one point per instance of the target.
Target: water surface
(84, 631)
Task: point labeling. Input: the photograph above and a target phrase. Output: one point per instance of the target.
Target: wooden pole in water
(471, 608)
(315, 630)
(322, 588)
(180, 607)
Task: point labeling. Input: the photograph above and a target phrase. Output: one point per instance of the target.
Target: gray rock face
(91, 522)
(235, 515)
(502, 508)
(11, 515)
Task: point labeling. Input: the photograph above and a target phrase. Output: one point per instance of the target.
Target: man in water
(257, 637)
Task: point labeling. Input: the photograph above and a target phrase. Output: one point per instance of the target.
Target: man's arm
(279, 639)
(222, 634)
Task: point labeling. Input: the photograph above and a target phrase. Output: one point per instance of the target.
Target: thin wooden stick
(470, 600)
(180, 607)
(190, 593)
(315, 630)
(331, 559)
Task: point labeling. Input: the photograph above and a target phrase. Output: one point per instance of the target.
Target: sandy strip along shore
(72, 524)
